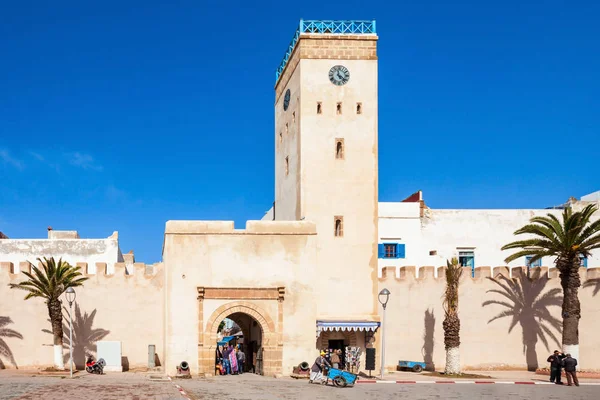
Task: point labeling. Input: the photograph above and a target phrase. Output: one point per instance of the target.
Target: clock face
(286, 100)
(339, 75)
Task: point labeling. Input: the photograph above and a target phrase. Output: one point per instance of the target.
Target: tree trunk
(452, 361)
(451, 326)
(571, 308)
(55, 312)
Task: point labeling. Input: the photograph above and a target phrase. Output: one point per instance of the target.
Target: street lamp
(384, 296)
(70, 293)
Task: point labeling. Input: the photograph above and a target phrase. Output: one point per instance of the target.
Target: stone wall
(415, 316)
(120, 307)
(268, 271)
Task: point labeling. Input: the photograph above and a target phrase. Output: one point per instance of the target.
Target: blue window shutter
(400, 251)
(584, 262)
(380, 250)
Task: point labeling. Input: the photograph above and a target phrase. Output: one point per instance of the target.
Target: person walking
(316, 372)
(555, 361)
(570, 365)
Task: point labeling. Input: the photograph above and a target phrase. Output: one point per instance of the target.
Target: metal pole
(71, 336)
(383, 342)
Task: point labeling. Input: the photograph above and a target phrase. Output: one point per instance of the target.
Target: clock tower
(326, 154)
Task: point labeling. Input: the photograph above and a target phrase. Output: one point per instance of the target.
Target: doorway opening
(239, 333)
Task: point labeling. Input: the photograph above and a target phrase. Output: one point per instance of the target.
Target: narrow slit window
(294, 117)
(286, 128)
(338, 109)
(339, 149)
(338, 224)
(280, 137)
(319, 109)
(359, 108)
(287, 165)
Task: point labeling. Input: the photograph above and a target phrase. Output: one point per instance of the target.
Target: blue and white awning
(356, 326)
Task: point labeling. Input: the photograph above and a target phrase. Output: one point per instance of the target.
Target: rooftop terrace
(348, 27)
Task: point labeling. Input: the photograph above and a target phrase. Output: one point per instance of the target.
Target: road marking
(473, 382)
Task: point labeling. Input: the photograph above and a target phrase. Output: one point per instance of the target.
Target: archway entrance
(259, 336)
(245, 334)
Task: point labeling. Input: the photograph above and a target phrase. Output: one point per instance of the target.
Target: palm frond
(497, 302)
(534, 252)
(549, 332)
(50, 279)
(508, 294)
(595, 283)
(507, 313)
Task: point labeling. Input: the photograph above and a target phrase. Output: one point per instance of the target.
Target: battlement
(99, 269)
(412, 273)
(252, 228)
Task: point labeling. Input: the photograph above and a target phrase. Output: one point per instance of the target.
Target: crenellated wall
(415, 315)
(120, 306)
(66, 245)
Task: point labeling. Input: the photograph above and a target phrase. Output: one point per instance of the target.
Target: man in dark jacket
(555, 361)
(316, 372)
(570, 365)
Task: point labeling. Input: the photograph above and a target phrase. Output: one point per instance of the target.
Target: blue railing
(326, 27)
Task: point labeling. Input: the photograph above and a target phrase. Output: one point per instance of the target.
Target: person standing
(335, 359)
(570, 365)
(233, 360)
(241, 359)
(555, 361)
(226, 364)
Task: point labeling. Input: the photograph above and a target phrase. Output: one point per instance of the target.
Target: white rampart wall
(90, 251)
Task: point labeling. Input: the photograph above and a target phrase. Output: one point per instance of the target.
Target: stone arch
(272, 356)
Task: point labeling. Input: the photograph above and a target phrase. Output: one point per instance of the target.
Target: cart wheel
(417, 368)
(340, 381)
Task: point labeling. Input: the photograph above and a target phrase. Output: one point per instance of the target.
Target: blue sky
(123, 115)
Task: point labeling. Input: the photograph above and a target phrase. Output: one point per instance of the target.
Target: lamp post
(384, 296)
(70, 293)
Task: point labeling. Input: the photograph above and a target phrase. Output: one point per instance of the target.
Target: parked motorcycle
(95, 367)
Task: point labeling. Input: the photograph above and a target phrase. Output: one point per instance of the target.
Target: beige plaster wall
(484, 345)
(287, 144)
(267, 254)
(128, 307)
(349, 185)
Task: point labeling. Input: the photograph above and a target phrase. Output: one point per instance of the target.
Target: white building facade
(411, 234)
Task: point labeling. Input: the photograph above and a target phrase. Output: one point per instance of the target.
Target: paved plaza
(138, 386)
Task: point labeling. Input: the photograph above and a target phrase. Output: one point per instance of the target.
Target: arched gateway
(248, 313)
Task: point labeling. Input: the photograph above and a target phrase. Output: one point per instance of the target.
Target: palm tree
(50, 282)
(7, 333)
(451, 321)
(567, 240)
(84, 336)
(525, 304)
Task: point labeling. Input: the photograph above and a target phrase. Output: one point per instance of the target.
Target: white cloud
(38, 156)
(84, 161)
(10, 160)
